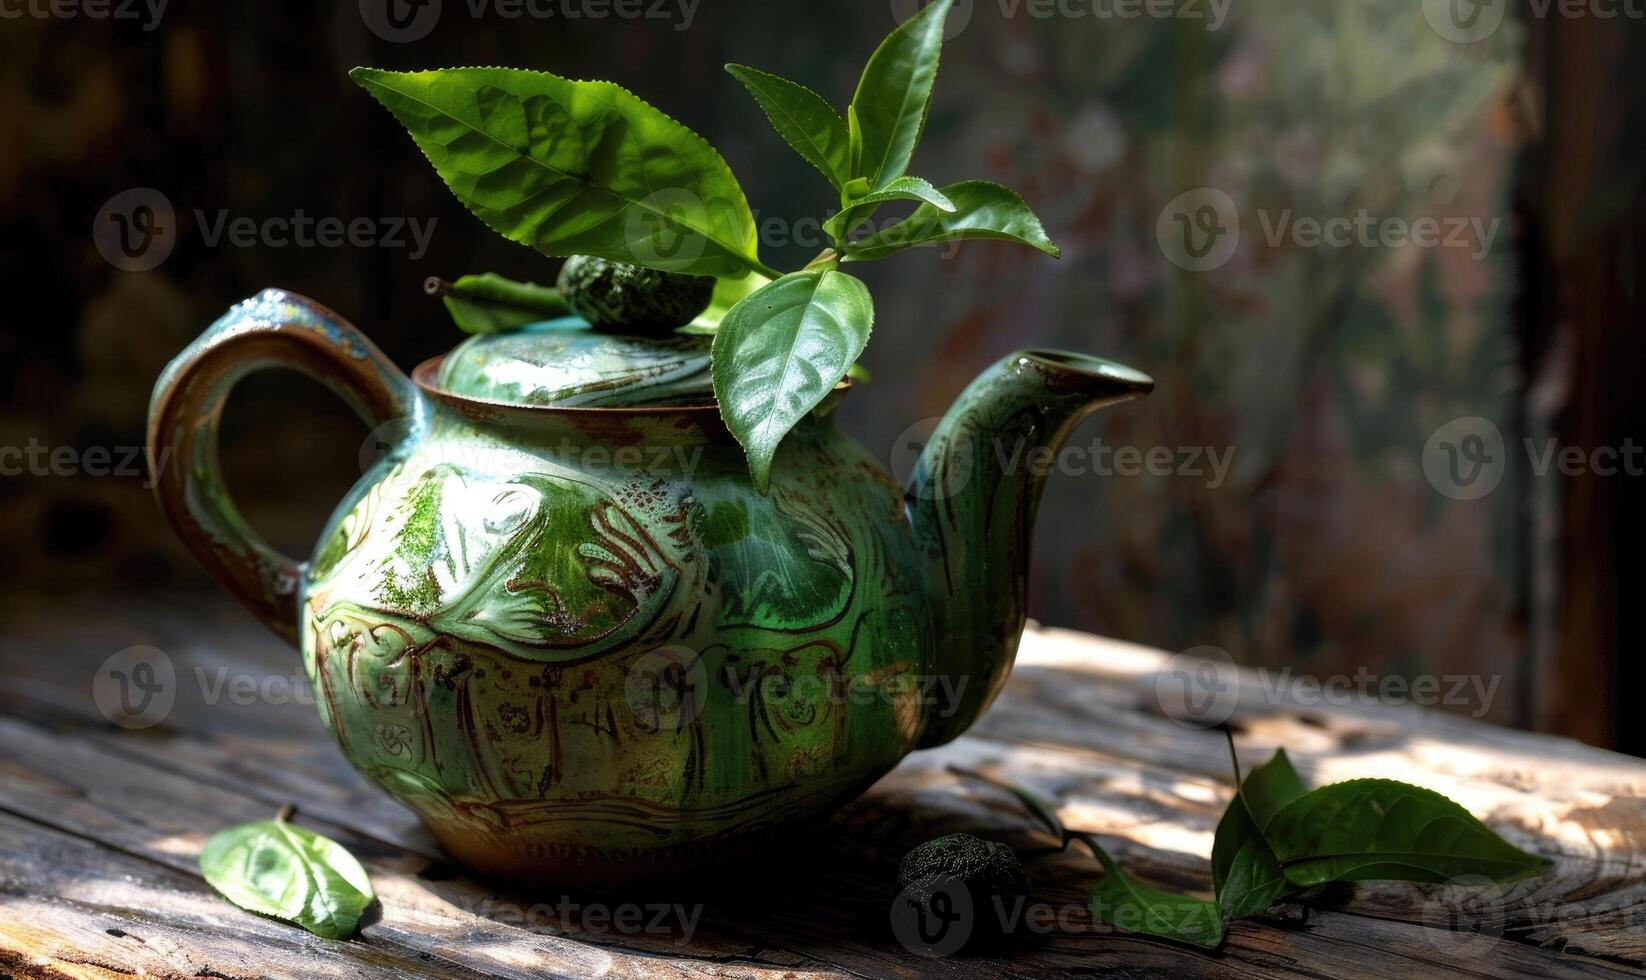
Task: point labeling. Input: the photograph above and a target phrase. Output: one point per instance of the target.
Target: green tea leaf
(983, 210)
(489, 303)
(909, 189)
(781, 350)
(804, 119)
(901, 189)
(1253, 883)
(894, 94)
(1271, 786)
(275, 868)
(854, 135)
(1123, 903)
(1245, 871)
(572, 167)
(1235, 829)
(1368, 829)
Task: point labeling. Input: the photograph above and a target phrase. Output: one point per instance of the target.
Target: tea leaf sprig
(588, 168)
(1278, 840)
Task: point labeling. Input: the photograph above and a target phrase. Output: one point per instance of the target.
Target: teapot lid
(569, 363)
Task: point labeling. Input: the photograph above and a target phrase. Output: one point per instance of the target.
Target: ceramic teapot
(557, 621)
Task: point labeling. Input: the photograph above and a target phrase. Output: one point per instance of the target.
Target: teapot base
(586, 868)
(522, 857)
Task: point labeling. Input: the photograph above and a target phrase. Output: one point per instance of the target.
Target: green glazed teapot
(558, 622)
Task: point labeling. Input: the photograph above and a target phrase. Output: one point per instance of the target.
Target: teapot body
(578, 643)
(576, 640)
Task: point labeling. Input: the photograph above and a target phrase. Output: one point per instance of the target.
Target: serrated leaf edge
(751, 261)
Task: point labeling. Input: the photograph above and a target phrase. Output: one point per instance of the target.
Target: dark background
(1325, 371)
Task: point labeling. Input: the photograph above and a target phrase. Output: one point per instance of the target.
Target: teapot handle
(274, 329)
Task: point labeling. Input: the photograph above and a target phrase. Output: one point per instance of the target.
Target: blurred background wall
(1316, 498)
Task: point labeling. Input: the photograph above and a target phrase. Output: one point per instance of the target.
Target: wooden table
(100, 828)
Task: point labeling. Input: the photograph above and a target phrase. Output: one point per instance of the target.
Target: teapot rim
(425, 376)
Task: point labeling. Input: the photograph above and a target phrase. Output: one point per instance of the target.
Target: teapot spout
(972, 504)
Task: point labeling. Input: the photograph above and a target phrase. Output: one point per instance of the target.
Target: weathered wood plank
(72, 908)
(840, 916)
(426, 912)
(1078, 722)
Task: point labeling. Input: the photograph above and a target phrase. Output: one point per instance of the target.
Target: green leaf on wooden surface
(489, 303)
(1271, 786)
(895, 93)
(780, 351)
(1123, 903)
(1253, 882)
(277, 869)
(804, 119)
(1367, 829)
(901, 189)
(982, 210)
(1245, 871)
(575, 167)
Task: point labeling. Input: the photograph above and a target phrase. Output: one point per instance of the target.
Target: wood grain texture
(100, 829)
